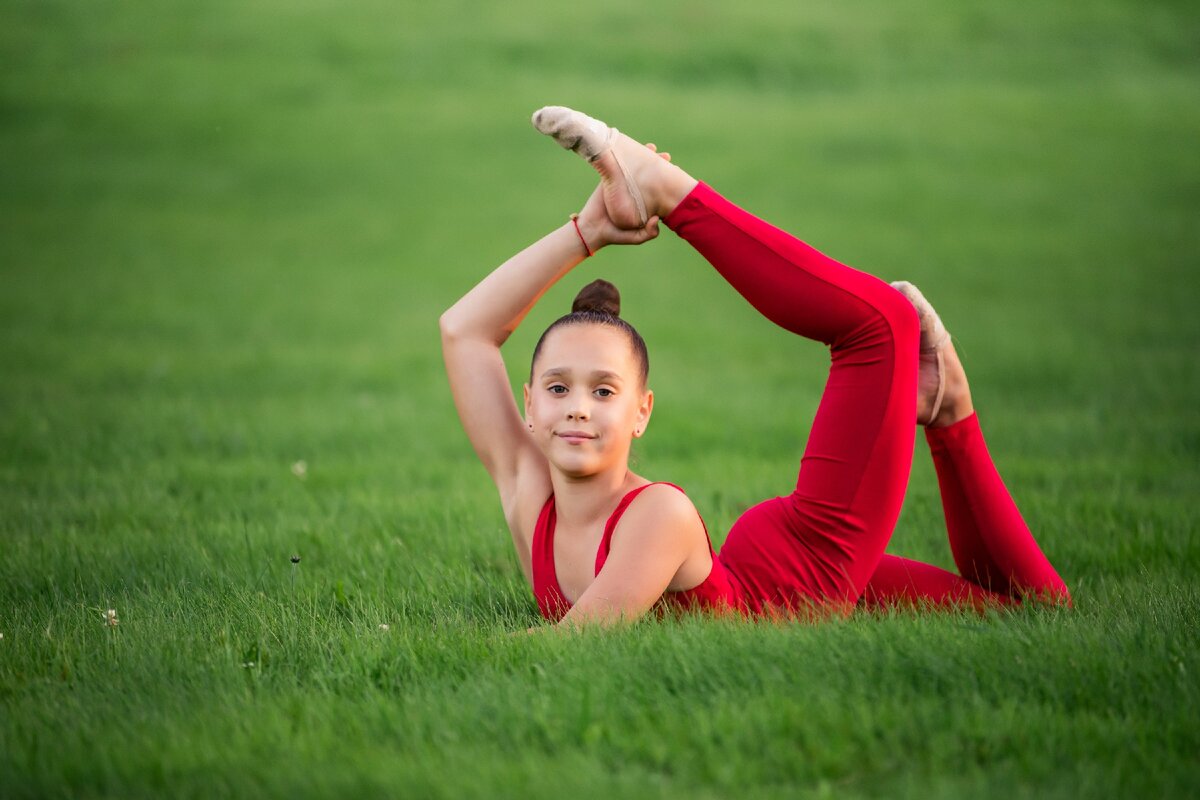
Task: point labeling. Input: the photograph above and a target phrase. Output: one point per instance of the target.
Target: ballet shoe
(934, 338)
(591, 139)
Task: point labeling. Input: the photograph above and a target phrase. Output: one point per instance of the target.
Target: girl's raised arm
(475, 327)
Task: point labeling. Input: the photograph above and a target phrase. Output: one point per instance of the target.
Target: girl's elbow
(452, 325)
(447, 323)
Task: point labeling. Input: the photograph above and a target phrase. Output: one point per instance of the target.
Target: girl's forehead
(587, 348)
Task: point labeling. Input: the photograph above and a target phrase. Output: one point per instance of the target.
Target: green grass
(227, 230)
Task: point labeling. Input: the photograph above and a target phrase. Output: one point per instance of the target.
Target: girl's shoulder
(658, 492)
(658, 505)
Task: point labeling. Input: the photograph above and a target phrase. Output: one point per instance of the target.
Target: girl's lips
(575, 437)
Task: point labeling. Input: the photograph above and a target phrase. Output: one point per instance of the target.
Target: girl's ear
(644, 411)
(526, 390)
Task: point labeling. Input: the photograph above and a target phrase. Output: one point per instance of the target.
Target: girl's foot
(637, 183)
(956, 393)
(943, 395)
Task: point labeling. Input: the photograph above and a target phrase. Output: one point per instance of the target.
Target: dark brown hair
(599, 303)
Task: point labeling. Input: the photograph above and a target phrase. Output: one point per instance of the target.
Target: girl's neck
(579, 502)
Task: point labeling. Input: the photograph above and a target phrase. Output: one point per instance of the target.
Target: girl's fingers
(654, 149)
(638, 235)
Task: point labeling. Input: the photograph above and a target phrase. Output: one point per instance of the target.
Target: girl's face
(585, 400)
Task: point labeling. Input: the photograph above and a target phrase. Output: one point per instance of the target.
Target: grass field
(227, 231)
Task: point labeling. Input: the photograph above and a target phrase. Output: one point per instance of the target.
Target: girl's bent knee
(901, 315)
(892, 324)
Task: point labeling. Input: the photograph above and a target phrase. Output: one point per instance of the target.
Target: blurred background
(227, 230)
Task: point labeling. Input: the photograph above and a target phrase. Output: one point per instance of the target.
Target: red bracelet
(575, 220)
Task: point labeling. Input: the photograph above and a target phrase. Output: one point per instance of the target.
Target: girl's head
(587, 399)
(599, 303)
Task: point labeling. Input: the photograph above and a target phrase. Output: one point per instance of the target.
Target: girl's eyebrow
(598, 375)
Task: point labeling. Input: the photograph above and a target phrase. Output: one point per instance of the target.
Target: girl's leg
(822, 542)
(902, 582)
(991, 543)
(993, 548)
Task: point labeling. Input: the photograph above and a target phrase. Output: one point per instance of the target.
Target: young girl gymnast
(600, 544)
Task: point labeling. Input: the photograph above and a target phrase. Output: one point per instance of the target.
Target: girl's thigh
(784, 560)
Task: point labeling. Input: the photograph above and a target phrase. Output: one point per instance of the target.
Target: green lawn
(227, 230)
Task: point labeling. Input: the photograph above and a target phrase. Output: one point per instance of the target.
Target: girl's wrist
(590, 234)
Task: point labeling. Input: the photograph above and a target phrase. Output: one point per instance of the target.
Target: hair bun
(599, 296)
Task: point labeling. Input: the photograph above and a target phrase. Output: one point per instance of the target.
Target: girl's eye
(558, 389)
(602, 392)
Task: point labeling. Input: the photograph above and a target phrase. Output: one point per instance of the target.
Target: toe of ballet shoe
(934, 335)
(574, 130)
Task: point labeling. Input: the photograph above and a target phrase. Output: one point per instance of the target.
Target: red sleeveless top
(718, 591)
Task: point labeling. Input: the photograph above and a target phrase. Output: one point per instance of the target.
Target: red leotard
(822, 545)
(717, 591)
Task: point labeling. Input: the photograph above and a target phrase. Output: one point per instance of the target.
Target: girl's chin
(578, 468)
(581, 461)
(578, 471)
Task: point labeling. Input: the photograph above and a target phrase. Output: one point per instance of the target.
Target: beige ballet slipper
(591, 139)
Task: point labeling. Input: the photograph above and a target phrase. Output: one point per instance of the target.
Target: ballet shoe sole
(934, 338)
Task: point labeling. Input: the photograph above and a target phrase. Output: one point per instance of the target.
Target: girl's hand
(598, 228)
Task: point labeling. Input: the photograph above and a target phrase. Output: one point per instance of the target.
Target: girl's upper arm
(659, 531)
(489, 414)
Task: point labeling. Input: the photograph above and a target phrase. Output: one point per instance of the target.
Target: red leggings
(824, 543)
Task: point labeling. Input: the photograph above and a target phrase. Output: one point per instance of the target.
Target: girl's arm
(659, 542)
(473, 330)
(475, 327)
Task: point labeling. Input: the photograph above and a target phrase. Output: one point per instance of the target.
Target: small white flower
(248, 665)
(1, 635)
(300, 469)
(383, 626)
(110, 618)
